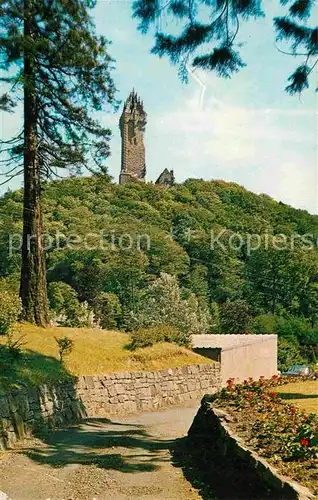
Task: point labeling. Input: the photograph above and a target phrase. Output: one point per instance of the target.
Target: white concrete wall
(250, 360)
(241, 356)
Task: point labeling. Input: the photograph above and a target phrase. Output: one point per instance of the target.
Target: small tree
(107, 309)
(68, 310)
(288, 353)
(65, 346)
(162, 304)
(235, 317)
(264, 323)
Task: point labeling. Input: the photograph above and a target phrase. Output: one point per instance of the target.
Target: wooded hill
(118, 239)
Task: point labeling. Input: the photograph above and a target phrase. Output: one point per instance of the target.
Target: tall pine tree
(206, 33)
(57, 65)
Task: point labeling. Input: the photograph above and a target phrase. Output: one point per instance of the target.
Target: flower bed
(284, 435)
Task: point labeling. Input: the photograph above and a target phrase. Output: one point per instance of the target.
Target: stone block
(120, 389)
(89, 382)
(112, 390)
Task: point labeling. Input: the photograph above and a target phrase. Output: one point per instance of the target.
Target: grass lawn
(304, 395)
(95, 352)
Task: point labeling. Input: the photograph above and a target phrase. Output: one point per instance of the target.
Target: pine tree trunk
(33, 275)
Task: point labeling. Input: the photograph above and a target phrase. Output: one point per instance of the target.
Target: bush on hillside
(162, 304)
(235, 317)
(10, 284)
(67, 309)
(107, 309)
(147, 337)
(297, 330)
(215, 318)
(264, 323)
(10, 310)
(288, 353)
(297, 342)
(291, 326)
(61, 297)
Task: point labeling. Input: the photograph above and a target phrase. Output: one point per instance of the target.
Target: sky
(245, 129)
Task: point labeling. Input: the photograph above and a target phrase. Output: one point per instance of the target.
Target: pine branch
(11, 177)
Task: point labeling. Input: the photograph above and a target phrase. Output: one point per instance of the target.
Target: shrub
(10, 310)
(107, 310)
(68, 310)
(215, 318)
(291, 326)
(10, 284)
(264, 323)
(146, 337)
(235, 317)
(62, 297)
(162, 304)
(288, 353)
(65, 346)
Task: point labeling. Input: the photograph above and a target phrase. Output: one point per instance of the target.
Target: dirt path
(118, 459)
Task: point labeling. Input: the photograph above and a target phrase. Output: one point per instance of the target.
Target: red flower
(273, 394)
(304, 442)
(292, 411)
(230, 382)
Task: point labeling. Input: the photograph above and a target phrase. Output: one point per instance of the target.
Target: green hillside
(118, 239)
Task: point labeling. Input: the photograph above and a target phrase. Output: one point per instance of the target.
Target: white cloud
(267, 150)
(296, 185)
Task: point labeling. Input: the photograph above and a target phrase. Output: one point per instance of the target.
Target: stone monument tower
(132, 125)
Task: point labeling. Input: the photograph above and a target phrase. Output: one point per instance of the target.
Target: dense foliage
(146, 337)
(10, 309)
(66, 309)
(116, 240)
(162, 304)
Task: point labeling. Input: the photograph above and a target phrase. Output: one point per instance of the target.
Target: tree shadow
(295, 395)
(101, 442)
(32, 369)
(182, 458)
(215, 477)
(37, 392)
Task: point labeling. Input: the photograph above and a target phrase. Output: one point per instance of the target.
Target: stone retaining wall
(219, 450)
(131, 392)
(24, 411)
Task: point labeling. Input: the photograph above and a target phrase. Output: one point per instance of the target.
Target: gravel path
(118, 459)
